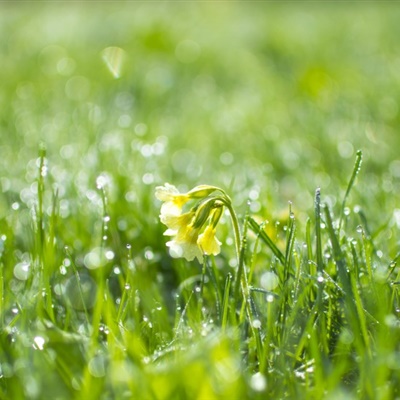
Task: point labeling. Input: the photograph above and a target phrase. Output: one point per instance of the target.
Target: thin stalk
(225, 301)
(235, 224)
(317, 205)
(356, 170)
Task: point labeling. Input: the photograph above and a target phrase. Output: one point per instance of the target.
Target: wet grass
(269, 103)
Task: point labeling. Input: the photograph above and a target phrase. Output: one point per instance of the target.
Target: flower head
(193, 232)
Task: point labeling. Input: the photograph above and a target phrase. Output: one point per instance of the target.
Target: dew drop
(256, 324)
(258, 382)
(38, 343)
(117, 270)
(270, 298)
(22, 271)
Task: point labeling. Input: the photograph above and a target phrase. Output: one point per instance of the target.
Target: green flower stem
(235, 223)
(241, 279)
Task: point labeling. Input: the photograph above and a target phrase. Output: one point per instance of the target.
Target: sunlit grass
(271, 105)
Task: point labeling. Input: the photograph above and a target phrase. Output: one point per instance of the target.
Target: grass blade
(317, 205)
(356, 170)
(258, 229)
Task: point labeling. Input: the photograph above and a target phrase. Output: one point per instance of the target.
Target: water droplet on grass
(59, 289)
(38, 343)
(256, 324)
(258, 382)
(109, 254)
(95, 259)
(148, 255)
(269, 280)
(270, 298)
(22, 270)
(117, 270)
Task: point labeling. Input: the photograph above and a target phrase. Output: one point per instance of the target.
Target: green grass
(269, 102)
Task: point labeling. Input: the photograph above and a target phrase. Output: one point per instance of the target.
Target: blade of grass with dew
(318, 251)
(225, 301)
(212, 271)
(266, 239)
(356, 170)
(357, 322)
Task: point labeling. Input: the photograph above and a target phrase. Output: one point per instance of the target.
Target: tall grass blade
(356, 170)
(225, 301)
(353, 303)
(258, 229)
(317, 208)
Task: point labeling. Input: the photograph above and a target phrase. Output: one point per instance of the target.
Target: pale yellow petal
(166, 192)
(208, 242)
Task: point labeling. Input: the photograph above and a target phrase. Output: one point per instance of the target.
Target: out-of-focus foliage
(268, 101)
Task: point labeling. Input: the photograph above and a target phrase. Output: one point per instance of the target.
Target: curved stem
(240, 280)
(227, 202)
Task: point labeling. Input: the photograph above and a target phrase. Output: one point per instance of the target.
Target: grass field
(291, 109)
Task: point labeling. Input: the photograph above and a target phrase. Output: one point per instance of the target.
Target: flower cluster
(193, 231)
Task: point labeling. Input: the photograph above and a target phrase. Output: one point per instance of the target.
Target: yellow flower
(173, 200)
(185, 244)
(208, 242)
(177, 223)
(188, 239)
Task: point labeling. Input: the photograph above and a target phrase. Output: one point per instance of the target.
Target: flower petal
(208, 242)
(166, 192)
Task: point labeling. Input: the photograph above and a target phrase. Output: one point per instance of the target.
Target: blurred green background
(267, 100)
